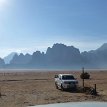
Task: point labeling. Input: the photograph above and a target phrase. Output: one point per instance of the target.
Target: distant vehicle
(65, 81)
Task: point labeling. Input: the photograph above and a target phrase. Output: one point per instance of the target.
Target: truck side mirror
(56, 76)
(60, 78)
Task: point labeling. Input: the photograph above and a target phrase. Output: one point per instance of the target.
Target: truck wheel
(62, 88)
(75, 88)
(56, 85)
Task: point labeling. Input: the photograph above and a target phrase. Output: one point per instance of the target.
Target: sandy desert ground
(22, 89)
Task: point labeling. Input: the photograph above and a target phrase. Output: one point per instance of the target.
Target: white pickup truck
(65, 81)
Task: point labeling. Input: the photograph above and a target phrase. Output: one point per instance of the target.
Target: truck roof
(66, 74)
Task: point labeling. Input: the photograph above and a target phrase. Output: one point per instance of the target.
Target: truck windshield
(67, 77)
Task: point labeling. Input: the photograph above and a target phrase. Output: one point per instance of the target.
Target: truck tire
(62, 88)
(56, 85)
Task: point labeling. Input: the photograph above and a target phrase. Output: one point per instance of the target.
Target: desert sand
(22, 89)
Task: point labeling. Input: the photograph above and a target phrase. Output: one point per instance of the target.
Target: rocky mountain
(2, 63)
(8, 58)
(20, 59)
(96, 58)
(62, 56)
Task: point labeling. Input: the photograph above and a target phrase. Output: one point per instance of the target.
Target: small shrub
(85, 75)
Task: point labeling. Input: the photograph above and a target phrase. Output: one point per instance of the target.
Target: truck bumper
(69, 86)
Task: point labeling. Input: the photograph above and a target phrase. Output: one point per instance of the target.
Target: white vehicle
(65, 81)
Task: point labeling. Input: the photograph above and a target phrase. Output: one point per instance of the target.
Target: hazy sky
(30, 25)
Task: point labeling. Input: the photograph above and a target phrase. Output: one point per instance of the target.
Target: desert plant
(85, 75)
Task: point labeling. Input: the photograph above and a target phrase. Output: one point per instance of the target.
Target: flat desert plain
(19, 88)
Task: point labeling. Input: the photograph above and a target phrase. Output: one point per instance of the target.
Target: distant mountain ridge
(21, 59)
(8, 58)
(61, 56)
